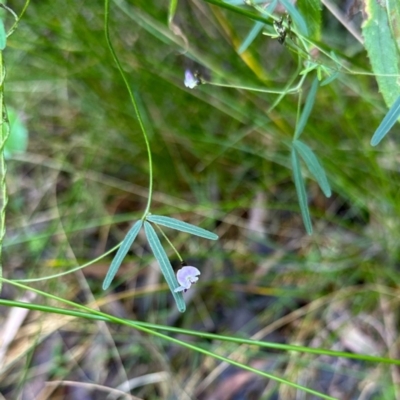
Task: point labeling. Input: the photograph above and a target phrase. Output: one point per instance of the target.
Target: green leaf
(172, 10)
(17, 141)
(394, 20)
(121, 253)
(296, 17)
(3, 36)
(387, 123)
(301, 191)
(313, 166)
(165, 265)
(311, 11)
(330, 78)
(182, 226)
(382, 50)
(307, 109)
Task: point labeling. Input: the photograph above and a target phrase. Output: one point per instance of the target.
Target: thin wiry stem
(133, 100)
(3, 167)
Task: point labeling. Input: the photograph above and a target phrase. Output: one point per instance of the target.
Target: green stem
(3, 167)
(17, 18)
(133, 100)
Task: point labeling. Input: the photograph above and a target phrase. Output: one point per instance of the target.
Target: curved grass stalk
(70, 271)
(91, 314)
(150, 330)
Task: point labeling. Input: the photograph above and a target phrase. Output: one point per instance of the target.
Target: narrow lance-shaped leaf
(387, 123)
(165, 265)
(307, 109)
(313, 166)
(330, 78)
(181, 226)
(172, 10)
(301, 191)
(121, 253)
(257, 28)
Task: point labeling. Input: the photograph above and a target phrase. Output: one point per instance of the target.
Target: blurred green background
(221, 161)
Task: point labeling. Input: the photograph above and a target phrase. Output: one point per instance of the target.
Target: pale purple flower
(191, 81)
(186, 276)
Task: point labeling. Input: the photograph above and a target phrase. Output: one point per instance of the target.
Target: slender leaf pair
(309, 158)
(157, 249)
(313, 165)
(316, 170)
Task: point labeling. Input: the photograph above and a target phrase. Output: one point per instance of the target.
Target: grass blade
(121, 253)
(296, 17)
(312, 10)
(307, 109)
(258, 26)
(165, 265)
(301, 191)
(387, 123)
(182, 226)
(313, 166)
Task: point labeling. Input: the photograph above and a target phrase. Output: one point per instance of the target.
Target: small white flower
(191, 81)
(186, 276)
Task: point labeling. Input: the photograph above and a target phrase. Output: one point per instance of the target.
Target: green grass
(287, 312)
